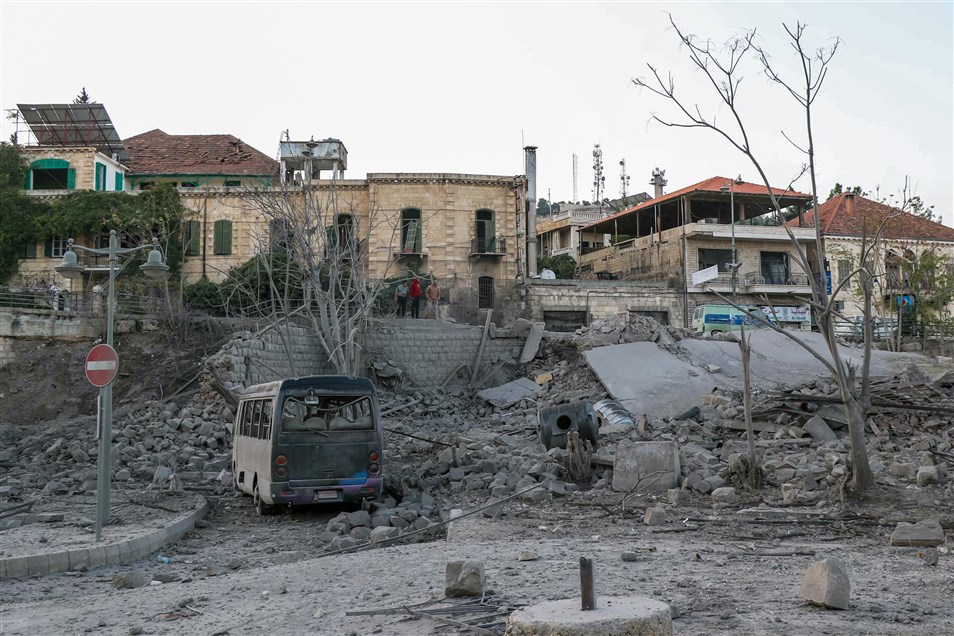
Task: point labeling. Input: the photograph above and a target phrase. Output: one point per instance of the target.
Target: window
(709, 257)
(147, 185)
(265, 423)
(844, 269)
(278, 234)
(27, 250)
(775, 268)
(485, 233)
(55, 247)
(50, 174)
(411, 231)
(222, 243)
(232, 183)
(119, 182)
(193, 238)
(485, 292)
(100, 177)
(189, 184)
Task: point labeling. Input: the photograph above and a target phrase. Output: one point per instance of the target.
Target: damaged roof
(158, 153)
(853, 215)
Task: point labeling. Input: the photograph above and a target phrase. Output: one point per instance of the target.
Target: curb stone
(97, 555)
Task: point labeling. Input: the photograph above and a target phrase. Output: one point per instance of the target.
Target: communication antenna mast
(599, 179)
(623, 179)
(576, 196)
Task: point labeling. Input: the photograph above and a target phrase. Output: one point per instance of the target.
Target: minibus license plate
(326, 494)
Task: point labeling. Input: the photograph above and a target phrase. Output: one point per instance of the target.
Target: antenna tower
(599, 179)
(623, 179)
(576, 196)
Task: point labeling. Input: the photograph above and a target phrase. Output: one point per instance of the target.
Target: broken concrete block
(826, 583)
(903, 469)
(677, 496)
(646, 467)
(384, 533)
(819, 430)
(359, 518)
(725, 495)
(655, 516)
(129, 580)
(532, 344)
(464, 578)
(924, 533)
(927, 475)
(506, 395)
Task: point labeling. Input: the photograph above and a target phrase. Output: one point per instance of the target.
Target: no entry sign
(102, 364)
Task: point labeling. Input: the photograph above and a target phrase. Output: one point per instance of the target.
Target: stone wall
(428, 351)
(603, 299)
(38, 323)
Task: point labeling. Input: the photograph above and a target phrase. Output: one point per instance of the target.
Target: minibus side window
(265, 430)
(246, 419)
(256, 418)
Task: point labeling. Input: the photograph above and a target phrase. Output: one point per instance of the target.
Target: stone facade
(558, 301)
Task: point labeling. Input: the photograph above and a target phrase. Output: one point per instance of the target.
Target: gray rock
(129, 580)
(924, 533)
(384, 533)
(341, 543)
(927, 475)
(464, 578)
(819, 430)
(903, 469)
(122, 475)
(527, 555)
(630, 556)
(725, 495)
(360, 533)
(655, 516)
(359, 518)
(677, 496)
(826, 583)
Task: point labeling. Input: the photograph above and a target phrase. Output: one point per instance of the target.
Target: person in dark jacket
(415, 294)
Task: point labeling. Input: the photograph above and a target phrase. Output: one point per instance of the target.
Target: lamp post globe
(70, 268)
(154, 267)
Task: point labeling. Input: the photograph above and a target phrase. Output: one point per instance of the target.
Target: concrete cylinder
(613, 616)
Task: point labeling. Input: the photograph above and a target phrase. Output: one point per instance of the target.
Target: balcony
(756, 283)
(495, 246)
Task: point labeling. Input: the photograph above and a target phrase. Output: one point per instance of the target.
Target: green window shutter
(30, 251)
(119, 182)
(193, 237)
(27, 179)
(227, 231)
(48, 248)
(71, 179)
(223, 238)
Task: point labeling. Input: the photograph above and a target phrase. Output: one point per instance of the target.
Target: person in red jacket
(415, 294)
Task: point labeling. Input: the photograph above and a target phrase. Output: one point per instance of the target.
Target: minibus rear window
(327, 413)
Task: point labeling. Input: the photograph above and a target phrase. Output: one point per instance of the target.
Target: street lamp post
(735, 259)
(71, 268)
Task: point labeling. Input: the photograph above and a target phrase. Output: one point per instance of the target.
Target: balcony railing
(488, 245)
(755, 278)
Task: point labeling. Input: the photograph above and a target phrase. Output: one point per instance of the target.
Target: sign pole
(102, 511)
(104, 479)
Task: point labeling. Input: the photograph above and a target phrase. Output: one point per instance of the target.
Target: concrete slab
(647, 378)
(613, 616)
(506, 395)
(646, 466)
(532, 344)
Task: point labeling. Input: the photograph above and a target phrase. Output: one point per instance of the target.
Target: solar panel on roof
(72, 125)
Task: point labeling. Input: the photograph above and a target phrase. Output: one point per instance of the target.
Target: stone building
(911, 255)
(704, 239)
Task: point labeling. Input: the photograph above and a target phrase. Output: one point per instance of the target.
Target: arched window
(411, 231)
(485, 292)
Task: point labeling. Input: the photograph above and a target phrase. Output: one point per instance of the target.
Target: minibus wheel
(261, 507)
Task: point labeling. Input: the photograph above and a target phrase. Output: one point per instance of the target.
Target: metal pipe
(587, 589)
(531, 170)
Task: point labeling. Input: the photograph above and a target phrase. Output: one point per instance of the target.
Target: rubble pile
(386, 520)
(158, 442)
(625, 328)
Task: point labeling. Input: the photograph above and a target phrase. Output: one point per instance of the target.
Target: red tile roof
(712, 184)
(854, 215)
(158, 153)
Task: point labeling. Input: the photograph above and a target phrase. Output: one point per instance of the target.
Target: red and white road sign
(102, 364)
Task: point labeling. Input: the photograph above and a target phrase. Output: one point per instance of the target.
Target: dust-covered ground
(723, 566)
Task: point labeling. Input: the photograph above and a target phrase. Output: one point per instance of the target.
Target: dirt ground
(732, 570)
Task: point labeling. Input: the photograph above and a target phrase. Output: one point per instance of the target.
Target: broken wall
(604, 299)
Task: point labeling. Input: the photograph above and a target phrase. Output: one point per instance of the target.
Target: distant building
(559, 233)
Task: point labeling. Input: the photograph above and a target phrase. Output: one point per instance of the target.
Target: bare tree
(723, 72)
(316, 258)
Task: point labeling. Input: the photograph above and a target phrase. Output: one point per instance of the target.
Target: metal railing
(488, 245)
(756, 278)
(85, 304)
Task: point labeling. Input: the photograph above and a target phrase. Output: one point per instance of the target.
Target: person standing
(433, 293)
(400, 295)
(415, 293)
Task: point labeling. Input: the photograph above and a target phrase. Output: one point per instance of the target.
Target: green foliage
(917, 207)
(204, 296)
(543, 207)
(564, 266)
(838, 189)
(12, 166)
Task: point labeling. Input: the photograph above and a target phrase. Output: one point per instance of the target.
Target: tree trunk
(862, 478)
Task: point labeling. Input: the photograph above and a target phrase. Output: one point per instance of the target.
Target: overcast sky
(415, 87)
